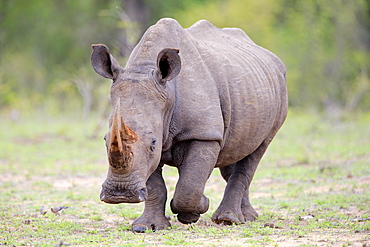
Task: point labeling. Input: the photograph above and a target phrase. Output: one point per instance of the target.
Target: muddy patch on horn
(120, 155)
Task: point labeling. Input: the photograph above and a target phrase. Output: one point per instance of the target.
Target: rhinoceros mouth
(125, 196)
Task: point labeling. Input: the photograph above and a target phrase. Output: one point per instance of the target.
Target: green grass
(315, 166)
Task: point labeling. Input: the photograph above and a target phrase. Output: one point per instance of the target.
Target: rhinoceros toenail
(142, 195)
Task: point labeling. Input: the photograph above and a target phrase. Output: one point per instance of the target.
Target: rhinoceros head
(141, 103)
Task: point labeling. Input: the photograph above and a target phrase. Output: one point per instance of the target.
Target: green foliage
(45, 47)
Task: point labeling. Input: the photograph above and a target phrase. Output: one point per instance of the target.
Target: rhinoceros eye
(152, 145)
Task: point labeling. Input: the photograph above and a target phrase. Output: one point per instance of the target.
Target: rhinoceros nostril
(142, 195)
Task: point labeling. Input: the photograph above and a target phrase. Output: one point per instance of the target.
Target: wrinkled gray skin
(196, 99)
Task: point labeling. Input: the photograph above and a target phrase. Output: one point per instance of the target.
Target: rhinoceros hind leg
(235, 207)
(248, 211)
(153, 217)
(227, 217)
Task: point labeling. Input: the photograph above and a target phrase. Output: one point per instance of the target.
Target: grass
(315, 166)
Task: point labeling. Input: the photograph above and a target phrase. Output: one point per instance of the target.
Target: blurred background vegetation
(45, 48)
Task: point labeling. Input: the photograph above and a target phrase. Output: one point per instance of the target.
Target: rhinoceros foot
(229, 217)
(249, 213)
(186, 216)
(142, 224)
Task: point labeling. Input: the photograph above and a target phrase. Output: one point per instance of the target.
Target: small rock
(27, 221)
(271, 225)
(61, 243)
(358, 219)
(306, 217)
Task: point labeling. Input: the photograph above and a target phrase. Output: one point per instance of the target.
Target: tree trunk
(135, 16)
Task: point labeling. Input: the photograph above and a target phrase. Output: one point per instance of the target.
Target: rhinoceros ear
(168, 64)
(104, 63)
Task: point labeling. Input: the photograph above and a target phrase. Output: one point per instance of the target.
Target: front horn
(119, 153)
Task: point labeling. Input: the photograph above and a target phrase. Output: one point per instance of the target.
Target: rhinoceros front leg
(235, 206)
(195, 162)
(154, 217)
